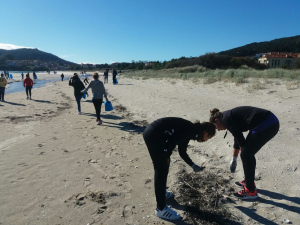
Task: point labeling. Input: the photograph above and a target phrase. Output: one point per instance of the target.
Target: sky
(107, 31)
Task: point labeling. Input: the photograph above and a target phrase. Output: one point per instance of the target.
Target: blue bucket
(84, 95)
(108, 106)
(10, 76)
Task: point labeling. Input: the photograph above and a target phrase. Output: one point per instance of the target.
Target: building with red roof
(279, 59)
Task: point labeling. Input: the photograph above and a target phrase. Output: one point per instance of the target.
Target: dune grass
(237, 76)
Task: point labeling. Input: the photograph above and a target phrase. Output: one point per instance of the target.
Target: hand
(233, 165)
(197, 168)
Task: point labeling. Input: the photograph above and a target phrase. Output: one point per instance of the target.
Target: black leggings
(28, 90)
(114, 79)
(86, 81)
(254, 142)
(97, 104)
(2, 91)
(161, 163)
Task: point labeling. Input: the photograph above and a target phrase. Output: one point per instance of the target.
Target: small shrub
(292, 85)
(256, 85)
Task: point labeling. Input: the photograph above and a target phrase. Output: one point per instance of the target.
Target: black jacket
(241, 119)
(171, 131)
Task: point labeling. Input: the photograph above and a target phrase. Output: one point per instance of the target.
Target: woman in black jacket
(78, 86)
(262, 125)
(161, 137)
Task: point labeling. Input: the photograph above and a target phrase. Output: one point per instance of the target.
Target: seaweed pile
(205, 195)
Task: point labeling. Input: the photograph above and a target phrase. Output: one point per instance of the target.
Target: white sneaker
(169, 194)
(99, 122)
(79, 113)
(167, 213)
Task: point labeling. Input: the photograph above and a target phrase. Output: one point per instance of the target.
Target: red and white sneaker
(242, 184)
(246, 194)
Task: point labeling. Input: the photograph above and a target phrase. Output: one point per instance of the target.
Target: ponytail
(215, 114)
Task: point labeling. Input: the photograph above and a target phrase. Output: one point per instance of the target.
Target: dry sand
(58, 167)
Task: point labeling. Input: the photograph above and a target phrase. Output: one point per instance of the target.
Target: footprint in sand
(127, 213)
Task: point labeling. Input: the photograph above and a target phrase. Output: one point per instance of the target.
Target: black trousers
(2, 92)
(254, 142)
(86, 81)
(105, 79)
(114, 79)
(161, 163)
(97, 104)
(28, 90)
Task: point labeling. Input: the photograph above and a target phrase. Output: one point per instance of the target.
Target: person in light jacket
(98, 91)
(3, 83)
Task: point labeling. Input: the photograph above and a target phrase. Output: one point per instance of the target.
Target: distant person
(34, 75)
(262, 125)
(77, 84)
(28, 83)
(22, 75)
(3, 83)
(62, 76)
(161, 137)
(105, 76)
(98, 91)
(86, 82)
(114, 73)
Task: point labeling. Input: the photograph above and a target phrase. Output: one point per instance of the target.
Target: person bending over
(262, 125)
(161, 137)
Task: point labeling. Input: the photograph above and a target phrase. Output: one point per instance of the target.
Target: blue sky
(105, 31)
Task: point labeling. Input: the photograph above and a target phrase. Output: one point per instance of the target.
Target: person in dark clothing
(28, 83)
(3, 83)
(77, 84)
(62, 76)
(114, 73)
(105, 76)
(262, 125)
(161, 137)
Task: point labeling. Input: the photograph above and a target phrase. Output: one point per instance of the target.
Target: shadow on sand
(13, 103)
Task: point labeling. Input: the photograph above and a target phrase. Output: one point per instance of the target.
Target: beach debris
(136, 167)
(287, 221)
(205, 196)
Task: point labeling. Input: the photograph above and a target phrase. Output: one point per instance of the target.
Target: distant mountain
(29, 54)
(289, 44)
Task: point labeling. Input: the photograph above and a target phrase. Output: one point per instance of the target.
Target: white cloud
(11, 47)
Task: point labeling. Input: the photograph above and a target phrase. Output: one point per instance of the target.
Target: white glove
(233, 164)
(197, 168)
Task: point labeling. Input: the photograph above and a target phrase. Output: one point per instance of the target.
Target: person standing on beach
(114, 73)
(22, 75)
(62, 76)
(262, 125)
(28, 83)
(161, 137)
(98, 91)
(77, 84)
(86, 82)
(3, 83)
(105, 76)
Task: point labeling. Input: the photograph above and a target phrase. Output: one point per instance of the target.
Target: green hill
(289, 44)
(29, 54)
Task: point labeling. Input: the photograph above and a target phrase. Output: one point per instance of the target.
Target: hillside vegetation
(289, 44)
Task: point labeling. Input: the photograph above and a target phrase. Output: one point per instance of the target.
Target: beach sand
(58, 167)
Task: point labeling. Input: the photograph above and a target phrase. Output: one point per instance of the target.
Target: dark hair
(95, 75)
(215, 114)
(205, 127)
(27, 75)
(2, 74)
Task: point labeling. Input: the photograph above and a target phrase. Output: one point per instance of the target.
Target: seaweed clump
(205, 195)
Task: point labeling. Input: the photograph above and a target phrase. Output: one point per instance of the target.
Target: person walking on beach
(22, 75)
(262, 125)
(34, 75)
(86, 82)
(3, 83)
(161, 137)
(62, 76)
(98, 91)
(28, 83)
(114, 73)
(77, 84)
(105, 76)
